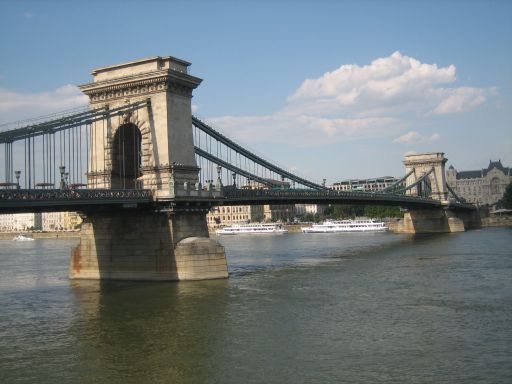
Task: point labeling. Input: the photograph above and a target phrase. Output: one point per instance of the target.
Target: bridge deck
(47, 200)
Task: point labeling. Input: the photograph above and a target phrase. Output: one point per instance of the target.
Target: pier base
(436, 221)
(139, 245)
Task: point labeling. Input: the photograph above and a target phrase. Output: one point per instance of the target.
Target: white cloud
(390, 85)
(381, 99)
(354, 102)
(19, 106)
(414, 137)
(304, 130)
(384, 78)
(460, 100)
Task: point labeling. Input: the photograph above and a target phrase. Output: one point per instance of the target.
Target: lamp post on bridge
(17, 174)
(62, 170)
(219, 180)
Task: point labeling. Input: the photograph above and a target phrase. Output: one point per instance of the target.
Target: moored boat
(254, 228)
(331, 226)
(22, 238)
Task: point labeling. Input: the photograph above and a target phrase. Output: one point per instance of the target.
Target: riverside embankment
(41, 235)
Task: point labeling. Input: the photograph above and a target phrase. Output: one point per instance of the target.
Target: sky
(327, 89)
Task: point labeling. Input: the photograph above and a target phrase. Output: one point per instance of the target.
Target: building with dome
(484, 187)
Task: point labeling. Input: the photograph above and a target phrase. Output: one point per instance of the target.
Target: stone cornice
(140, 85)
(423, 162)
(172, 168)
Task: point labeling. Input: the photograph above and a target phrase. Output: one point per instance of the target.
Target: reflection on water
(154, 332)
(296, 309)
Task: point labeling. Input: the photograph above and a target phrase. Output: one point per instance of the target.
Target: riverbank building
(484, 187)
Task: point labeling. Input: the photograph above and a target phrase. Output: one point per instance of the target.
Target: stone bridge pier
(145, 245)
(152, 148)
(435, 220)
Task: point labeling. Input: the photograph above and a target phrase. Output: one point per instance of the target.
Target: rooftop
(476, 174)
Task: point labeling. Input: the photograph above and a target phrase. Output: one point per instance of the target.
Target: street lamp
(62, 170)
(17, 174)
(234, 179)
(219, 171)
(219, 179)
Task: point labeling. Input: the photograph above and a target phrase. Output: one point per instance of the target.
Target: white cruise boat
(253, 228)
(331, 226)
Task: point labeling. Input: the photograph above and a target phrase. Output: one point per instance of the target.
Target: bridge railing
(298, 194)
(42, 195)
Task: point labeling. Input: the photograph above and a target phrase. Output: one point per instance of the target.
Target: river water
(316, 308)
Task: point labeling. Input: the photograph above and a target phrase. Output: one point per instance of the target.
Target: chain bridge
(138, 165)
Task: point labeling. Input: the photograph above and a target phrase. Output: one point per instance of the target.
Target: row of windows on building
(366, 185)
(234, 209)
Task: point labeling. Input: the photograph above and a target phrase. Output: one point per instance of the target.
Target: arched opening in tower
(126, 157)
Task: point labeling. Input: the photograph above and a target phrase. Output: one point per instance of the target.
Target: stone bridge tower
(151, 147)
(423, 163)
(432, 220)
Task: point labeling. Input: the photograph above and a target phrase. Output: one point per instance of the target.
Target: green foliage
(353, 211)
(507, 197)
(329, 210)
(310, 217)
(379, 211)
(344, 211)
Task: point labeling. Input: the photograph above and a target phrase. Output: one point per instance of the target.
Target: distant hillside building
(46, 221)
(312, 209)
(228, 215)
(237, 214)
(483, 187)
(17, 222)
(231, 214)
(61, 221)
(364, 185)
